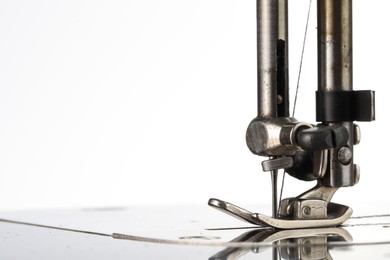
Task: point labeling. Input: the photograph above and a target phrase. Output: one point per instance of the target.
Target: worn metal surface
(337, 214)
(282, 61)
(265, 136)
(334, 27)
(335, 74)
(267, 36)
(334, 22)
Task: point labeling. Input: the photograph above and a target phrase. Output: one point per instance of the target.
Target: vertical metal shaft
(334, 45)
(274, 181)
(282, 74)
(335, 72)
(267, 36)
(272, 68)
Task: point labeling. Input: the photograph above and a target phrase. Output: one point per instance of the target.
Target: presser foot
(336, 214)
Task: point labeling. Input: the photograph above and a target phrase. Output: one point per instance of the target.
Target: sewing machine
(321, 152)
(308, 226)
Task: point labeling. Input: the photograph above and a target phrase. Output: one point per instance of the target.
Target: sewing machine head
(308, 152)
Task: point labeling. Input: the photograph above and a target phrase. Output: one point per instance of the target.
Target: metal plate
(183, 232)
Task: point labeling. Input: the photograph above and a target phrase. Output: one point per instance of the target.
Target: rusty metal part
(267, 36)
(335, 74)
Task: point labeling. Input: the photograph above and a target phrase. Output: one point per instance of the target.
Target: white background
(117, 103)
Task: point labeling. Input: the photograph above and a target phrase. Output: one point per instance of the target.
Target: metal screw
(306, 250)
(356, 134)
(344, 155)
(306, 212)
(356, 170)
(280, 99)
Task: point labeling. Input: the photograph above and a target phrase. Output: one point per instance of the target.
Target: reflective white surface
(206, 229)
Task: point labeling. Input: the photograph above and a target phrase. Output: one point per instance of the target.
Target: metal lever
(277, 164)
(323, 137)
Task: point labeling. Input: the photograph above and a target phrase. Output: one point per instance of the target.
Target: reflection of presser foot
(336, 215)
(292, 244)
